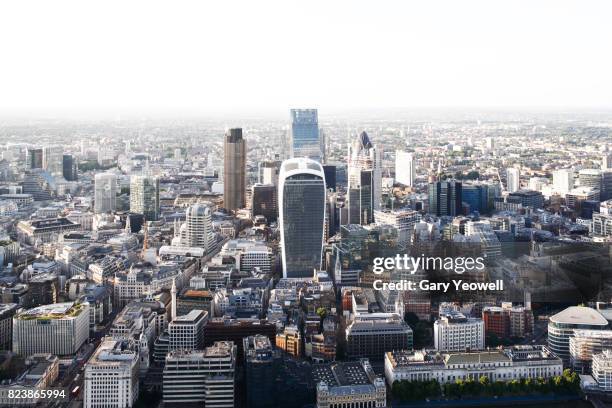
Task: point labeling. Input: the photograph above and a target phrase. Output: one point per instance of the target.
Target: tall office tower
(262, 366)
(34, 158)
(198, 231)
(264, 202)
(144, 196)
(590, 178)
(59, 328)
(302, 216)
(305, 141)
(323, 145)
(405, 170)
(69, 167)
(364, 180)
(606, 185)
(105, 193)
(606, 161)
(200, 377)
(476, 195)
(53, 160)
(513, 181)
(111, 375)
(268, 172)
(234, 170)
(445, 198)
(563, 181)
(330, 176)
(455, 332)
(490, 143)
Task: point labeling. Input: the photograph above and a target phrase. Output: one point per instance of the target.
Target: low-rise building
(455, 332)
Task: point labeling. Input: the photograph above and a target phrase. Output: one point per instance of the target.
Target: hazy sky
(225, 55)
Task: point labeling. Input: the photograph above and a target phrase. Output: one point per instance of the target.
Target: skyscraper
(34, 158)
(53, 160)
(606, 161)
(305, 140)
(144, 196)
(198, 227)
(69, 167)
(105, 193)
(364, 180)
(302, 216)
(405, 171)
(445, 198)
(264, 202)
(234, 170)
(513, 182)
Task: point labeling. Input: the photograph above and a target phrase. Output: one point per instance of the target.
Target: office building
(59, 329)
(262, 367)
(236, 330)
(528, 198)
(69, 167)
(197, 231)
(34, 158)
(105, 193)
(290, 341)
(590, 178)
(264, 201)
(364, 180)
(445, 198)
(405, 168)
(578, 195)
(476, 195)
(234, 170)
(111, 375)
(330, 176)
(508, 364)
(602, 225)
(602, 370)
(201, 377)
(144, 196)
(563, 181)
(562, 326)
(53, 160)
(402, 220)
(302, 216)
(186, 332)
(305, 140)
(507, 321)
(370, 335)
(455, 332)
(352, 384)
(268, 172)
(7, 312)
(583, 344)
(606, 161)
(513, 181)
(45, 230)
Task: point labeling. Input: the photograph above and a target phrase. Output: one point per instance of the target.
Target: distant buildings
(455, 332)
(505, 365)
(305, 140)
(105, 193)
(562, 326)
(302, 216)
(111, 375)
(513, 181)
(69, 167)
(52, 160)
(364, 193)
(201, 377)
(405, 168)
(349, 384)
(234, 170)
(144, 196)
(59, 329)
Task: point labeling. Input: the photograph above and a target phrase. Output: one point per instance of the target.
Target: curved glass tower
(301, 194)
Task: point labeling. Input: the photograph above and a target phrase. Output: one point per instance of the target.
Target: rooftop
(579, 315)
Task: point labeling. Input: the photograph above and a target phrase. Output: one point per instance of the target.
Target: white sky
(257, 54)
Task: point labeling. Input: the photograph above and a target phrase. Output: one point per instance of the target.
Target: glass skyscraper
(302, 216)
(305, 141)
(144, 196)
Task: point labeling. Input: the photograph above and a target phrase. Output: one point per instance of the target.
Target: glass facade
(305, 134)
(302, 200)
